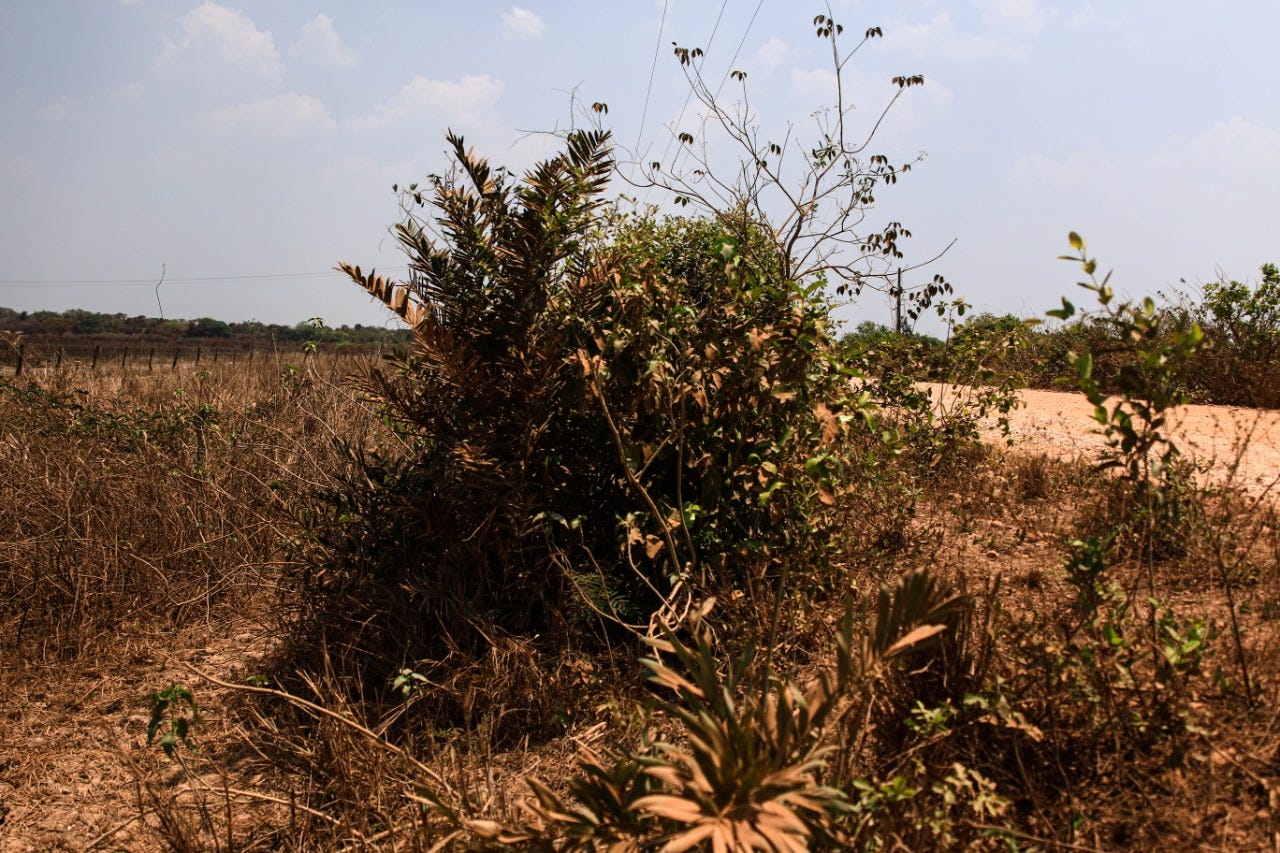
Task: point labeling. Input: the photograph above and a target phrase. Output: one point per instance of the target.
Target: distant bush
(45, 325)
(1239, 364)
(207, 327)
(1242, 366)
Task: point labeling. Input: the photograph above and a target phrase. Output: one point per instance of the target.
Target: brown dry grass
(144, 518)
(143, 534)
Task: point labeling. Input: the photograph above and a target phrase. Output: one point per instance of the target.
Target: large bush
(601, 414)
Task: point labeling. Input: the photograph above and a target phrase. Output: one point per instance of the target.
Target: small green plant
(1149, 387)
(1156, 483)
(1183, 643)
(174, 715)
(1133, 672)
(407, 682)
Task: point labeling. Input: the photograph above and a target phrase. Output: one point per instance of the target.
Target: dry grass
(144, 532)
(147, 501)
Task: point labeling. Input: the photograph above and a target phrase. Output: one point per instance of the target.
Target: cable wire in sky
(652, 70)
(684, 152)
(150, 282)
(689, 97)
(741, 42)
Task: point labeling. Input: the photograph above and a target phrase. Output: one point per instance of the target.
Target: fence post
(96, 349)
(58, 361)
(22, 349)
(175, 358)
(124, 357)
(197, 355)
(150, 356)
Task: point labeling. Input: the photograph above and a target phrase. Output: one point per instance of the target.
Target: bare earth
(1240, 446)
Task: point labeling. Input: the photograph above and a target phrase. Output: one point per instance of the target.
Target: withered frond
(398, 297)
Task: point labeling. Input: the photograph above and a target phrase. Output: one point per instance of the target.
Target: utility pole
(897, 305)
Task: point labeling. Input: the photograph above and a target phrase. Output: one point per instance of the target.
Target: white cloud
(469, 101)
(1235, 147)
(290, 116)
(1188, 204)
(1233, 153)
(1090, 18)
(1010, 29)
(127, 92)
(813, 83)
(65, 109)
(1024, 18)
(519, 24)
(227, 35)
(1073, 173)
(320, 44)
(771, 54)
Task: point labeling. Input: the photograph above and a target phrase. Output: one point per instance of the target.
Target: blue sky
(231, 141)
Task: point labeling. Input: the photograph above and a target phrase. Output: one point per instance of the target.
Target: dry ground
(72, 738)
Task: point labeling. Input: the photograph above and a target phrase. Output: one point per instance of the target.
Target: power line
(746, 33)
(689, 97)
(652, 70)
(150, 282)
(684, 152)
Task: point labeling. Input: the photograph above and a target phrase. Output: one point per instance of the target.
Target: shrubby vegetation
(1239, 365)
(613, 434)
(609, 416)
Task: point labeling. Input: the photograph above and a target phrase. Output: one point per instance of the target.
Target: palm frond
(398, 297)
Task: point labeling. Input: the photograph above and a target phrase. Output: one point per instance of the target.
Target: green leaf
(1084, 365)
(1066, 312)
(1076, 241)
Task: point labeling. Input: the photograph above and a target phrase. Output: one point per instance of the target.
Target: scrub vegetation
(624, 547)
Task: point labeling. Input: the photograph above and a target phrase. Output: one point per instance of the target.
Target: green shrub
(1242, 367)
(601, 413)
(934, 425)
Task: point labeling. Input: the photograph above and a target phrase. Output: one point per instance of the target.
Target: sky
(245, 148)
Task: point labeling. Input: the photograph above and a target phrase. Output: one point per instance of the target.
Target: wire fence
(26, 356)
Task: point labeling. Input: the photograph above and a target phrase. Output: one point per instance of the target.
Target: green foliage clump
(933, 394)
(600, 412)
(1242, 367)
(1237, 364)
(207, 327)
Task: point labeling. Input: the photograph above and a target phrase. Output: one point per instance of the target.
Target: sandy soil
(1239, 446)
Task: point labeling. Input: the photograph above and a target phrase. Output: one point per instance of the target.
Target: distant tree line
(78, 323)
(1239, 364)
